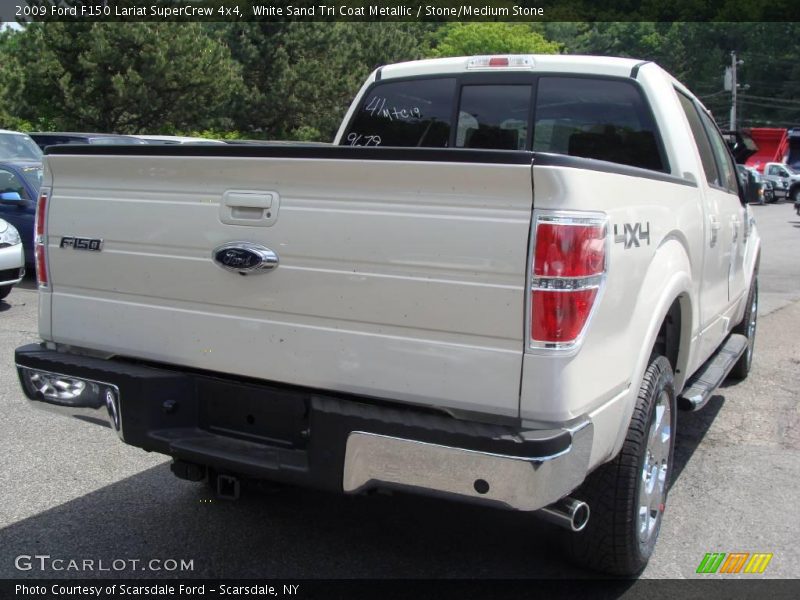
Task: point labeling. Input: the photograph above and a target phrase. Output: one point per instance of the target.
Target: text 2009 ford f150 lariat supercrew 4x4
(498, 286)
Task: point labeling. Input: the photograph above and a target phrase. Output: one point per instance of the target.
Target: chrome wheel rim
(653, 484)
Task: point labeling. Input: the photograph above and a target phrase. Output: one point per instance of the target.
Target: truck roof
(598, 65)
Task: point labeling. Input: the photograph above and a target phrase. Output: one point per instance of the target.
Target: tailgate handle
(249, 207)
(248, 199)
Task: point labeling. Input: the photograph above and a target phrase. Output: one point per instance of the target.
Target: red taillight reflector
(41, 210)
(559, 317)
(569, 250)
(40, 242)
(41, 266)
(498, 61)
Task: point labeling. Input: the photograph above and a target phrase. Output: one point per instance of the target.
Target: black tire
(747, 328)
(620, 536)
(794, 195)
(5, 291)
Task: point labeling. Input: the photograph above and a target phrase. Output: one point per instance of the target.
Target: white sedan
(12, 258)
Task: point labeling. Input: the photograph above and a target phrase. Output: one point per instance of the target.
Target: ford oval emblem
(245, 258)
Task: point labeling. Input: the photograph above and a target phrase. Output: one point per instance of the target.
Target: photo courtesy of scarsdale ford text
(172, 590)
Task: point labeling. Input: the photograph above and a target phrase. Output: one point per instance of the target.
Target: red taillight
(559, 317)
(569, 250)
(40, 241)
(498, 61)
(569, 264)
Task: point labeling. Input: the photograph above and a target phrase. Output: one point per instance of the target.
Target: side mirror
(12, 198)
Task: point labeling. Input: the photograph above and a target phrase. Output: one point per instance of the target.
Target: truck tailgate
(398, 279)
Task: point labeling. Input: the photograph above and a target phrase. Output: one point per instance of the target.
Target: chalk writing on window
(357, 139)
(380, 107)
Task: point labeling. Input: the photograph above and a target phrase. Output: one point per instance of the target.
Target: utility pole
(734, 89)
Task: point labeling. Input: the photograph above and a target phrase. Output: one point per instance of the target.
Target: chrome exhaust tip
(568, 513)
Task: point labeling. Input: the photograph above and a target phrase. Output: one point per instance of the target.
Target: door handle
(714, 226)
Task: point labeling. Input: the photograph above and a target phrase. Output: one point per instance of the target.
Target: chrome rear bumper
(522, 483)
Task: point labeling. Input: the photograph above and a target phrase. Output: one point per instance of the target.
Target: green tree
(12, 74)
(124, 78)
(301, 77)
(631, 39)
(467, 39)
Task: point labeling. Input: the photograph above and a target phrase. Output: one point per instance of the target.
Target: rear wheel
(747, 328)
(627, 496)
(5, 291)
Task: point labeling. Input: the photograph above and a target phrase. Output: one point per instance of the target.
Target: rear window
(589, 117)
(494, 116)
(419, 113)
(415, 113)
(596, 118)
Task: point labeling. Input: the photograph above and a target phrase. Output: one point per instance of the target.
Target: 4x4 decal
(632, 234)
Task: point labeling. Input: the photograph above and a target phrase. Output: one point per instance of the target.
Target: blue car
(19, 190)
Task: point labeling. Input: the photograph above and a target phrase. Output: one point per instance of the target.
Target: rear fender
(669, 278)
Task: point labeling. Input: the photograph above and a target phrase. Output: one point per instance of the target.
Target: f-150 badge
(632, 234)
(245, 258)
(79, 243)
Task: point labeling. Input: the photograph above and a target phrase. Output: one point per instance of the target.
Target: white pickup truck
(785, 180)
(497, 286)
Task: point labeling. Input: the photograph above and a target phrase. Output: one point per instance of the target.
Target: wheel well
(668, 341)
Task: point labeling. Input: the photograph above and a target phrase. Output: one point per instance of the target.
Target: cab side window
(701, 140)
(10, 182)
(727, 169)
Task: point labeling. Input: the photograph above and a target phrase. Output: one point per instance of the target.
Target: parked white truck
(785, 180)
(497, 286)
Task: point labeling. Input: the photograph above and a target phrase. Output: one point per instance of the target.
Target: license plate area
(258, 413)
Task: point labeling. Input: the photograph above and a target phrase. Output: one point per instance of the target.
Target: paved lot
(72, 491)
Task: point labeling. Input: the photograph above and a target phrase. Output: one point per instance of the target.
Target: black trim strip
(330, 152)
(543, 159)
(637, 66)
(378, 74)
